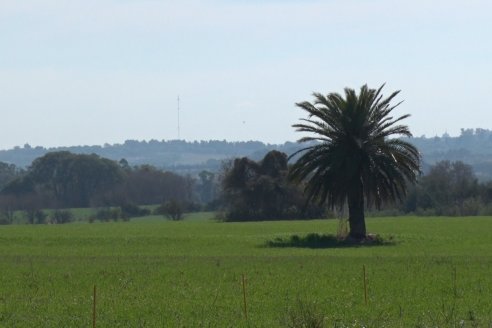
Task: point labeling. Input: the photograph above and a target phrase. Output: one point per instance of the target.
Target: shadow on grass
(314, 240)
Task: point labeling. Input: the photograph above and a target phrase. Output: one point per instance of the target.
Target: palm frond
(353, 144)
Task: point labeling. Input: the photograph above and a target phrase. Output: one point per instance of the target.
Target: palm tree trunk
(357, 222)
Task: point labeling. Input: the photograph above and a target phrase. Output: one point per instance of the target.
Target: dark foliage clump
(172, 209)
(108, 214)
(36, 216)
(130, 210)
(61, 217)
(66, 180)
(261, 191)
(314, 240)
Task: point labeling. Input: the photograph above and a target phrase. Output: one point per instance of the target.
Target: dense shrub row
(249, 190)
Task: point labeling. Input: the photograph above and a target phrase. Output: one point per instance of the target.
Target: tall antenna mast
(179, 136)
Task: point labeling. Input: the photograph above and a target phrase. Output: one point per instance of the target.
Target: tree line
(450, 189)
(244, 190)
(261, 190)
(62, 180)
(473, 146)
(172, 155)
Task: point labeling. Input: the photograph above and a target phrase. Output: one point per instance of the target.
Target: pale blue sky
(95, 71)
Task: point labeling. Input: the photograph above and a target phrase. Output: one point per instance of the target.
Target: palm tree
(351, 159)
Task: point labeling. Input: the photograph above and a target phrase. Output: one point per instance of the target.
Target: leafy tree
(124, 164)
(36, 216)
(206, 188)
(354, 160)
(8, 172)
(61, 216)
(63, 179)
(172, 209)
(8, 204)
(147, 185)
(261, 191)
(450, 188)
(130, 210)
(108, 214)
(21, 186)
(32, 204)
(73, 179)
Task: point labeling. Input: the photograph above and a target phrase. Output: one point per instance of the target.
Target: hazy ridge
(472, 146)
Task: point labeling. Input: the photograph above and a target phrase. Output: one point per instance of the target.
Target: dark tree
(8, 205)
(32, 205)
(261, 191)
(172, 209)
(63, 179)
(147, 185)
(8, 172)
(449, 189)
(354, 161)
(206, 187)
(73, 179)
(61, 216)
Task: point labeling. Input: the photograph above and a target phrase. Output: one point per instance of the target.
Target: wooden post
(455, 287)
(365, 283)
(244, 298)
(94, 309)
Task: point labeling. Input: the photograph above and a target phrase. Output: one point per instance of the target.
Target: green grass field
(156, 273)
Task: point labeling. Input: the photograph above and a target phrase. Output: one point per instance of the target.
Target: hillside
(174, 155)
(472, 146)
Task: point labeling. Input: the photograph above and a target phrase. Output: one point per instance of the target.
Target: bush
(4, 220)
(220, 216)
(108, 214)
(125, 212)
(131, 211)
(173, 210)
(471, 206)
(61, 216)
(486, 210)
(6, 216)
(389, 212)
(36, 216)
(41, 217)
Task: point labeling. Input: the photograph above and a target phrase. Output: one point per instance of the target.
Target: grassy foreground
(156, 273)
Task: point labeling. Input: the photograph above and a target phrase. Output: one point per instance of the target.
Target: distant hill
(473, 146)
(175, 155)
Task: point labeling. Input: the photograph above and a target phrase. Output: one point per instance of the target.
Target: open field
(156, 273)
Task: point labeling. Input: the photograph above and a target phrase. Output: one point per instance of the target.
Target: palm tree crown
(353, 159)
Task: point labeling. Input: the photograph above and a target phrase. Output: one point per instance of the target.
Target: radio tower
(179, 135)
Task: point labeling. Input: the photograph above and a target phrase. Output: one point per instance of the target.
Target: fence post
(244, 298)
(365, 283)
(94, 309)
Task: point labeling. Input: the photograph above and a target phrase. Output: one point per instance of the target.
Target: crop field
(150, 272)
